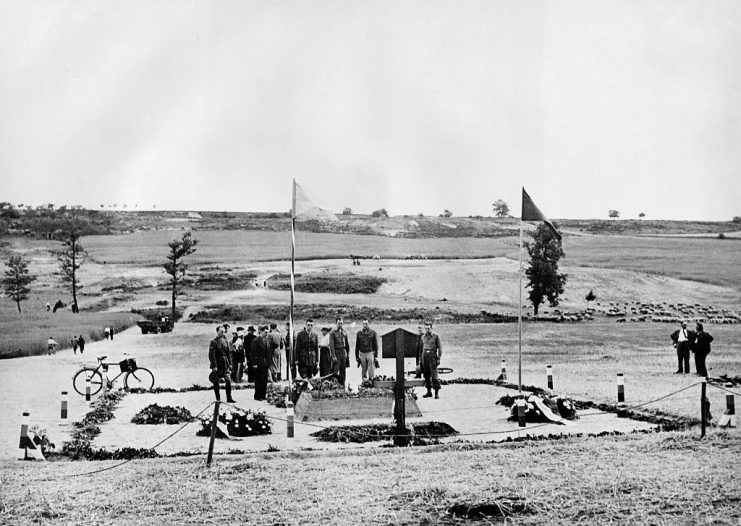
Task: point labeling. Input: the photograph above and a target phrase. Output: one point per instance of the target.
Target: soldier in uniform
(339, 346)
(248, 353)
(307, 350)
(366, 351)
(220, 360)
(431, 351)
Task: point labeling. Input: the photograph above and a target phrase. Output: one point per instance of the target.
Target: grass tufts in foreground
(670, 478)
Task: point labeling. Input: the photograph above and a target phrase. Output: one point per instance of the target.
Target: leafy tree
(446, 213)
(380, 213)
(613, 213)
(590, 297)
(175, 266)
(737, 219)
(8, 212)
(544, 280)
(72, 256)
(17, 280)
(347, 211)
(501, 208)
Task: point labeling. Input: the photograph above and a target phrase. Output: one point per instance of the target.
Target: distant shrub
(737, 219)
(380, 213)
(162, 303)
(721, 236)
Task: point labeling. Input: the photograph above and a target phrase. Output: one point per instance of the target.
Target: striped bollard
(87, 389)
(729, 417)
(621, 395)
(65, 399)
(504, 370)
(549, 375)
(289, 419)
(521, 412)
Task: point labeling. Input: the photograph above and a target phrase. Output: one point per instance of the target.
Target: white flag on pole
(305, 209)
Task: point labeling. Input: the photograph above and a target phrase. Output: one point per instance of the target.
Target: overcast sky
(414, 106)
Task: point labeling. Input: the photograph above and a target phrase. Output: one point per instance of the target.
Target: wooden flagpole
(519, 320)
(290, 314)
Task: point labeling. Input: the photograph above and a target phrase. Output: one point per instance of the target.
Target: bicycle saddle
(101, 358)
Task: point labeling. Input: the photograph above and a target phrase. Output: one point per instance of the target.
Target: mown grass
(25, 334)
(705, 260)
(672, 478)
(329, 282)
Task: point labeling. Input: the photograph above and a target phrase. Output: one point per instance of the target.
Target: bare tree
(72, 256)
(17, 280)
(175, 266)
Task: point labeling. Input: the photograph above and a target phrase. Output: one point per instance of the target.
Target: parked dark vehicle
(156, 326)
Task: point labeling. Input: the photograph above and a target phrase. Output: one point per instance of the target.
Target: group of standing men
(697, 341)
(260, 353)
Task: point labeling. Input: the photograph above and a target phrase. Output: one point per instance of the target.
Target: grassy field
(644, 479)
(704, 260)
(25, 334)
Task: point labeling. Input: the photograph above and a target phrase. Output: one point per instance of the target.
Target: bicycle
(134, 376)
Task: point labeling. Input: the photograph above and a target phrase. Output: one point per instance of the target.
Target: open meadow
(626, 479)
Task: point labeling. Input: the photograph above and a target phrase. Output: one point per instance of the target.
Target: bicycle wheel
(140, 379)
(80, 380)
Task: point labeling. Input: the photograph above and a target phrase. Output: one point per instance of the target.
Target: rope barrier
(644, 403)
(94, 472)
(724, 389)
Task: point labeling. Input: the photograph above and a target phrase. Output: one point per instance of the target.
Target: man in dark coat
(683, 340)
(248, 353)
(701, 348)
(260, 353)
(432, 351)
(220, 360)
(307, 350)
(339, 347)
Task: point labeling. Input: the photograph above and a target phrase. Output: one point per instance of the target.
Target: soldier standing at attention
(432, 351)
(366, 350)
(220, 360)
(307, 348)
(339, 346)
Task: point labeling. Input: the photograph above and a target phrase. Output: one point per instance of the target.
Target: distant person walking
(326, 358)
(220, 362)
(307, 350)
(51, 345)
(432, 351)
(75, 342)
(339, 346)
(701, 348)
(261, 359)
(48, 306)
(112, 331)
(107, 332)
(366, 350)
(683, 340)
(275, 344)
(81, 342)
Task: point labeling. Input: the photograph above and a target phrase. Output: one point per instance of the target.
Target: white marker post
(549, 376)
(65, 400)
(621, 395)
(729, 417)
(521, 412)
(504, 370)
(289, 417)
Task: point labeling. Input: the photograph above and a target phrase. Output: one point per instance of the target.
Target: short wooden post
(729, 417)
(703, 414)
(521, 412)
(87, 389)
(504, 370)
(65, 400)
(620, 388)
(549, 376)
(213, 433)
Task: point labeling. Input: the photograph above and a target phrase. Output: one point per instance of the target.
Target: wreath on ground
(537, 406)
(421, 433)
(236, 422)
(156, 414)
(321, 389)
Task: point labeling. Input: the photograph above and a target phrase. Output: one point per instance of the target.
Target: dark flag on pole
(530, 212)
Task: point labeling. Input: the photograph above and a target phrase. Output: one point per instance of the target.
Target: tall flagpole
(519, 322)
(290, 314)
